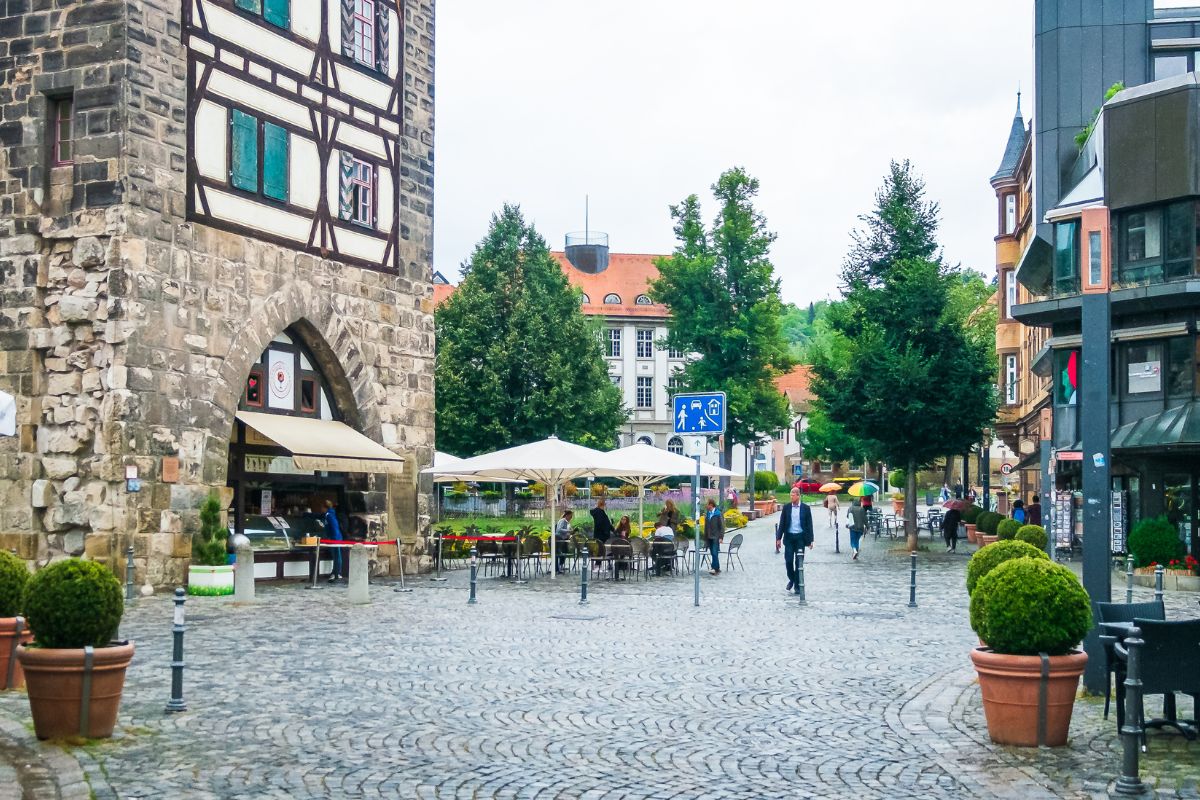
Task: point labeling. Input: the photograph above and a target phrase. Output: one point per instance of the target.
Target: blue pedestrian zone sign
(699, 413)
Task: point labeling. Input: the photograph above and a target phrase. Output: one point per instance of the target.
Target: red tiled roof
(795, 385)
(628, 275)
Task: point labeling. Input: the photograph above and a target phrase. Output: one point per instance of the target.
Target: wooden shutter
(346, 189)
(278, 12)
(243, 171)
(348, 28)
(275, 162)
(382, 41)
(249, 5)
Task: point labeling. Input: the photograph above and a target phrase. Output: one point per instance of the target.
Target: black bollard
(1131, 732)
(176, 702)
(800, 576)
(1129, 578)
(912, 580)
(583, 576)
(1158, 583)
(129, 591)
(474, 573)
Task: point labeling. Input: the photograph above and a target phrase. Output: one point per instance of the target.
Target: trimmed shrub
(1155, 541)
(988, 522)
(897, 478)
(1034, 535)
(988, 558)
(970, 514)
(13, 577)
(491, 494)
(72, 604)
(208, 544)
(1028, 606)
(765, 481)
(1007, 528)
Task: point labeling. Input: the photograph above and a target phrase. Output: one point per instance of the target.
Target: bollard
(243, 576)
(583, 576)
(358, 591)
(912, 580)
(474, 567)
(438, 577)
(1131, 733)
(1158, 583)
(130, 594)
(176, 702)
(800, 576)
(1129, 578)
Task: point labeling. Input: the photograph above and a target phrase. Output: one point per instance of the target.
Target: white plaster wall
(306, 19)
(258, 39)
(268, 103)
(212, 123)
(360, 86)
(386, 202)
(304, 173)
(265, 218)
(357, 137)
(397, 31)
(333, 180)
(352, 243)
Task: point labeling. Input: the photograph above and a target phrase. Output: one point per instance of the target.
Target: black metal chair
(1121, 612)
(732, 550)
(1170, 664)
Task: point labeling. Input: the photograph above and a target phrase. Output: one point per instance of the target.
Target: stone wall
(127, 331)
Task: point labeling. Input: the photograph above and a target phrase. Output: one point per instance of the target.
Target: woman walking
(950, 529)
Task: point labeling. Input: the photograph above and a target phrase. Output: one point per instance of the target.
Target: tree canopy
(724, 298)
(905, 372)
(517, 360)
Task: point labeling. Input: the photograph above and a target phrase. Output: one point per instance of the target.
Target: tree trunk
(910, 505)
(726, 462)
(948, 473)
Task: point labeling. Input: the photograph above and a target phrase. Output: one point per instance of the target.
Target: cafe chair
(731, 552)
(1170, 664)
(1121, 612)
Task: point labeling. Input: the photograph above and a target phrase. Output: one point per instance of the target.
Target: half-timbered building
(215, 262)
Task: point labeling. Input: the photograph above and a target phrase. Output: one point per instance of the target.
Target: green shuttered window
(243, 170)
(277, 12)
(275, 162)
(254, 6)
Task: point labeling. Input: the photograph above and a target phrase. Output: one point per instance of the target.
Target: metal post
(1158, 583)
(912, 581)
(583, 577)
(438, 577)
(474, 567)
(129, 595)
(837, 534)
(1131, 731)
(1129, 578)
(800, 575)
(696, 520)
(176, 702)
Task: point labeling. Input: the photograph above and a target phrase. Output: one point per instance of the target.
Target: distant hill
(800, 325)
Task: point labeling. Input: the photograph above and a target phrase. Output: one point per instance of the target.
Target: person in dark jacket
(602, 526)
(669, 516)
(795, 529)
(858, 525)
(950, 529)
(714, 532)
(1033, 514)
(333, 530)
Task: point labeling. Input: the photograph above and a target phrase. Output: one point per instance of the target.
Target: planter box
(1009, 686)
(985, 540)
(211, 581)
(765, 506)
(971, 535)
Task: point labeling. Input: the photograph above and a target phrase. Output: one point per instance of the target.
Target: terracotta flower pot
(1010, 684)
(9, 639)
(985, 540)
(971, 536)
(55, 683)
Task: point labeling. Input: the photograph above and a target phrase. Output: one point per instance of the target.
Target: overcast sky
(638, 104)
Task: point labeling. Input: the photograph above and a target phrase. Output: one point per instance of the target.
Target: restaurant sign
(272, 465)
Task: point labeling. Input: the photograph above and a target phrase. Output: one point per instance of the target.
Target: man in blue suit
(796, 530)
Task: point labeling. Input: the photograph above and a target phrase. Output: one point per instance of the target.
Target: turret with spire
(1017, 137)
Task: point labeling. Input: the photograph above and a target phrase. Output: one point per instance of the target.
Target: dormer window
(612, 299)
(642, 300)
(585, 299)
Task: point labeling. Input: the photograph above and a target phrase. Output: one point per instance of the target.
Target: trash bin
(929, 498)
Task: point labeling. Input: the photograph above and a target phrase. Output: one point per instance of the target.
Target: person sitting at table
(663, 547)
(562, 536)
(602, 526)
(623, 529)
(669, 516)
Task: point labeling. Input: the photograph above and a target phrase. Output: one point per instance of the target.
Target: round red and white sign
(1006, 469)
(281, 379)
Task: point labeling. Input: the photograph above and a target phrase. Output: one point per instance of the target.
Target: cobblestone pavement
(530, 695)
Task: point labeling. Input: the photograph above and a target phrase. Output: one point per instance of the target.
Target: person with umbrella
(950, 524)
(831, 502)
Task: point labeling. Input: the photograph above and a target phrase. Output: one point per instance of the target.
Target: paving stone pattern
(530, 695)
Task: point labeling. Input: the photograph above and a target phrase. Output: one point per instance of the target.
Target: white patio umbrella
(552, 462)
(642, 464)
(445, 466)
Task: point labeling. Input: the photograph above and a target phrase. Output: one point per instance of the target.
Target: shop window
(1143, 364)
(1066, 371)
(62, 114)
(254, 388)
(1181, 366)
(1066, 258)
(308, 395)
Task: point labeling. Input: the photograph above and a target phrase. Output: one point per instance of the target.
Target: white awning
(323, 445)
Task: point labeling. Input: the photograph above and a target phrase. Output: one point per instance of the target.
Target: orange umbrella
(829, 487)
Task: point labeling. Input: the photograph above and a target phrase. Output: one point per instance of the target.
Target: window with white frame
(363, 183)
(645, 343)
(674, 383)
(645, 392)
(646, 440)
(673, 353)
(364, 32)
(613, 343)
(1010, 214)
(675, 445)
(1010, 379)
(642, 300)
(612, 299)
(1010, 293)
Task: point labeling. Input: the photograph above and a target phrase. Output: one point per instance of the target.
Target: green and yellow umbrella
(863, 489)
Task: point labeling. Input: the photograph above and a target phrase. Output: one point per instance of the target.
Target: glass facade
(1066, 258)
(1156, 243)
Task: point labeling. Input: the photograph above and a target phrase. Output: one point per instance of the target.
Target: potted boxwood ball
(14, 630)
(987, 559)
(1034, 535)
(1007, 529)
(1029, 610)
(970, 516)
(74, 608)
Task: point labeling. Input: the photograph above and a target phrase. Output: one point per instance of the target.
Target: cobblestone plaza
(530, 695)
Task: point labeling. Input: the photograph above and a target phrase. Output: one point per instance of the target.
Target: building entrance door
(1179, 500)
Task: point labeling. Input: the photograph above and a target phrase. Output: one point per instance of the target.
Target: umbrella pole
(641, 487)
(553, 549)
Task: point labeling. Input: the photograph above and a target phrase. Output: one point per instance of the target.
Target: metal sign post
(701, 414)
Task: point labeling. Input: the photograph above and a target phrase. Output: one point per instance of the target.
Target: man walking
(796, 531)
(858, 524)
(714, 532)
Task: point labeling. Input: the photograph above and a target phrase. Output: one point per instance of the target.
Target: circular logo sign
(281, 379)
